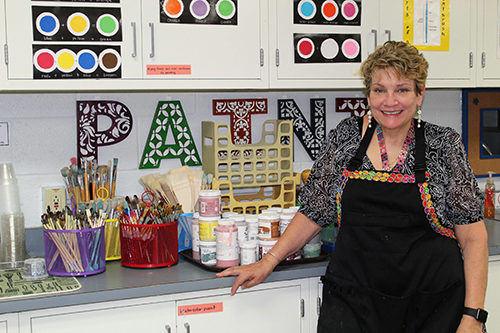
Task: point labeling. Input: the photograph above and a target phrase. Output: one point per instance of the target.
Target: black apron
(390, 271)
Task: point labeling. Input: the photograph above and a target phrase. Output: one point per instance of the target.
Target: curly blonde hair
(401, 58)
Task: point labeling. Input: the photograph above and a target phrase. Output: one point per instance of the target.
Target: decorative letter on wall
(240, 111)
(311, 136)
(356, 106)
(169, 115)
(89, 138)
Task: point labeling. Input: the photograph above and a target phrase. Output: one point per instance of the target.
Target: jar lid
(226, 222)
(209, 218)
(205, 243)
(209, 193)
(251, 218)
(267, 242)
(248, 244)
(229, 214)
(287, 216)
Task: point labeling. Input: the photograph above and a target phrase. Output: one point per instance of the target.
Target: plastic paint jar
(269, 226)
(248, 252)
(313, 248)
(252, 226)
(207, 226)
(265, 246)
(285, 220)
(226, 235)
(210, 202)
(195, 236)
(208, 253)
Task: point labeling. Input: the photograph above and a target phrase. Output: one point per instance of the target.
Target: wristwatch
(480, 314)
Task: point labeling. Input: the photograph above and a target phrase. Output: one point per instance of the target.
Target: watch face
(482, 315)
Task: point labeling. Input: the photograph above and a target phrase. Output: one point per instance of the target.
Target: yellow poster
(427, 24)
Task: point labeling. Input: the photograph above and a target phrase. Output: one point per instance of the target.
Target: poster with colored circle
(199, 12)
(327, 48)
(76, 62)
(76, 24)
(95, 1)
(334, 12)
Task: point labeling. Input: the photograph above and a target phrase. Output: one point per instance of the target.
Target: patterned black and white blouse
(453, 187)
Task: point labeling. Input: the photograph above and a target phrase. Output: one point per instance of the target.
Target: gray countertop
(120, 283)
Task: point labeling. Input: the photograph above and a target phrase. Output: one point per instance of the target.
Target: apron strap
(357, 159)
(420, 167)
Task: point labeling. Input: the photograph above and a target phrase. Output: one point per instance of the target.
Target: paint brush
(115, 170)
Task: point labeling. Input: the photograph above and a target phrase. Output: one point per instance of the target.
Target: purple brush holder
(75, 252)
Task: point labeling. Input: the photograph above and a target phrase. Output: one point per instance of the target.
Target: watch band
(479, 314)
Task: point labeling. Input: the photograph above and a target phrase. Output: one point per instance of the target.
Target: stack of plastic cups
(210, 204)
(13, 241)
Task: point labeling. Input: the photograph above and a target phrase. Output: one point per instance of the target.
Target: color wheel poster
(327, 48)
(327, 12)
(224, 12)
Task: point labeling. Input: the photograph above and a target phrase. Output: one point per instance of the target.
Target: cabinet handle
(188, 329)
(167, 327)
(134, 41)
(483, 59)
(388, 33)
(152, 27)
(318, 308)
(375, 33)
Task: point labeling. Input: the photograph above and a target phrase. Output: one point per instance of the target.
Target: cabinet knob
(167, 328)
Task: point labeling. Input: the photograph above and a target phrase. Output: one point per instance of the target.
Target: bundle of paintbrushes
(135, 211)
(73, 241)
(90, 181)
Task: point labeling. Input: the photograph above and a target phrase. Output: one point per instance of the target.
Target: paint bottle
(265, 246)
(210, 203)
(285, 220)
(252, 227)
(313, 248)
(208, 253)
(489, 203)
(226, 235)
(269, 226)
(207, 226)
(195, 235)
(248, 252)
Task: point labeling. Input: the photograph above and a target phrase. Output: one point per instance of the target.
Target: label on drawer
(168, 69)
(186, 310)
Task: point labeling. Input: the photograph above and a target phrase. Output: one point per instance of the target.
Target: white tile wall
(42, 131)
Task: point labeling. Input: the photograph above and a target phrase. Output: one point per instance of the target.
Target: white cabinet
(488, 45)
(270, 307)
(380, 21)
(61, 45)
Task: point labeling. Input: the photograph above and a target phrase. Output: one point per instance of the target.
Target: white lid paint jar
(248, 252)
(207, 226)
(269, 226)
(252, 226)
(226, 235)
(208, 253)
(265, 246)
(210, 202)
(195, 236)
(285, 220)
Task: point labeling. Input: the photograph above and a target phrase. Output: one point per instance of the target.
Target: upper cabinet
(132, 44)
(321, 44)
(488, 44)
(235, 44)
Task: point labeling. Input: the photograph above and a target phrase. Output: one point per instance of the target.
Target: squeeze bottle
(489, 204)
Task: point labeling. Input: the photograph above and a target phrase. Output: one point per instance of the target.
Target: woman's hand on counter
(250, 275)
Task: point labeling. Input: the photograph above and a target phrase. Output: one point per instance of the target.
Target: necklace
(402, 154)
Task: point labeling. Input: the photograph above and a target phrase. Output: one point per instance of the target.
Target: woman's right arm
(300, 231)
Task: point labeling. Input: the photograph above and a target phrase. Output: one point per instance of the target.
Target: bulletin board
(474, 102)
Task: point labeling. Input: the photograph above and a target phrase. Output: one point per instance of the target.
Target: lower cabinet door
(122, 317)
(269, 310)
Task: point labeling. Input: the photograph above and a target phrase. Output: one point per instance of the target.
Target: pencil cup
(112, 236)
(149, 245)
(75, 252)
